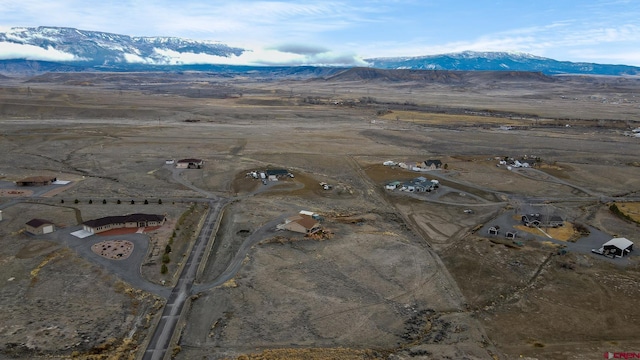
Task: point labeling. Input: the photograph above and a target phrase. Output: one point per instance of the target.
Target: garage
(39, 227)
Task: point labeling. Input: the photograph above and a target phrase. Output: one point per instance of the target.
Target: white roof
(81, 234)
(620, 243)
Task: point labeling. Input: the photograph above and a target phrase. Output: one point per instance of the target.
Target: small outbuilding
(39, 227)
(616, 247)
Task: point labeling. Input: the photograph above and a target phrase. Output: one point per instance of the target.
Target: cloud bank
(284, 55)
(10, 51)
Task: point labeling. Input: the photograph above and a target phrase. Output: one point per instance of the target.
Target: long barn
(126, 221)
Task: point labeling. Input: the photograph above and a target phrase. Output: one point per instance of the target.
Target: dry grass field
(404, 276)
(632, 209)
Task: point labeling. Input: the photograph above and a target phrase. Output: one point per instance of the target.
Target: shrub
(164, 269)
(167, 249)
(166, 259)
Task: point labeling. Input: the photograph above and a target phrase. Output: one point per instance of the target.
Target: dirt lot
(403, 277)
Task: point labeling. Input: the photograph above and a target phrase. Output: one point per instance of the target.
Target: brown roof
(123, 219)
(38, 222)
(38, 179)
(307, 222)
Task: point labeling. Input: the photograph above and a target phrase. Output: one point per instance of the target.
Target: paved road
(161, 339)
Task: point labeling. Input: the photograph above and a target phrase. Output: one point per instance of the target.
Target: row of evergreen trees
(104, 201)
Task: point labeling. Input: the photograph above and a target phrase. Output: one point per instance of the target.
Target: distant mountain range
(57, 49)
(496, 61)
(102, 51)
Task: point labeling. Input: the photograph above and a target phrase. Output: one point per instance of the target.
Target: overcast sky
(602, 31)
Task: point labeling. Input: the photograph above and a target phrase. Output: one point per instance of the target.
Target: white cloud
(372, 28)
(136, 59)
(29, 52)
(561, 40)
(631, 57)
(259, 57)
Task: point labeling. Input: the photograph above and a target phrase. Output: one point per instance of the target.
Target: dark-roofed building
(432, 164)
(536, 220)
(277, 172)
(126, 221)
(39, 226)
(190, 164)
(36, 181)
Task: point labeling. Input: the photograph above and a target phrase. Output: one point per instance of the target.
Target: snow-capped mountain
(50, 49)
(93, 48)
(499, 61)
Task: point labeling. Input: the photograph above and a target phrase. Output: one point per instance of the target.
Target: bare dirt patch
(113, 249)
(15, 193)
